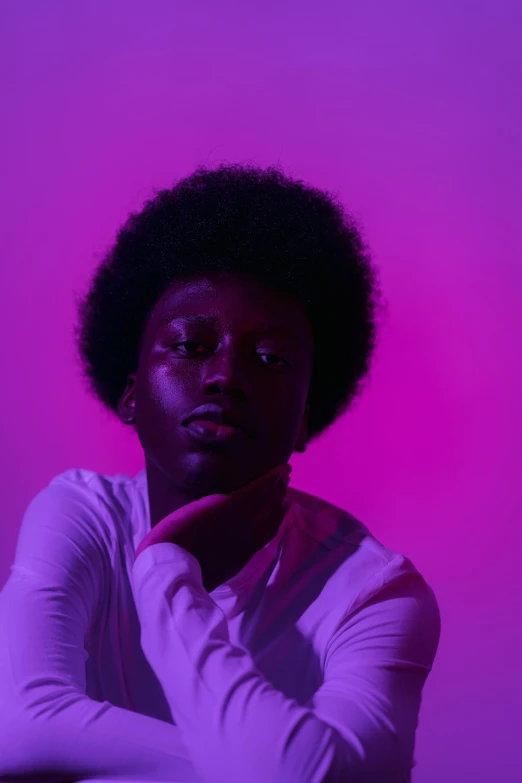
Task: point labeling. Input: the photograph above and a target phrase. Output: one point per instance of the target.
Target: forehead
(232, 301)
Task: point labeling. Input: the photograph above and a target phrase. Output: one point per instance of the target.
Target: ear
(303, 432)
(126, 408)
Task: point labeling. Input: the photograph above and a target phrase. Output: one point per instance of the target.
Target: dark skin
(258, 352)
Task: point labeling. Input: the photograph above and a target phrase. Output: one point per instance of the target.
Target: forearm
(88, 739)
(48, 725)
(236, 726)
(358, 727)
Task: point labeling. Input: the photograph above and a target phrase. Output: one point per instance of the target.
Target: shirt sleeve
(359, 727)
(49, 728)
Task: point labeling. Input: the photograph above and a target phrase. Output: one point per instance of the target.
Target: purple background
(412, 113)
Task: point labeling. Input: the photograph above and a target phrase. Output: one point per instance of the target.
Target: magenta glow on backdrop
(412, 113)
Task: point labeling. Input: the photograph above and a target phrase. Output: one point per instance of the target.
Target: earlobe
(126, 405)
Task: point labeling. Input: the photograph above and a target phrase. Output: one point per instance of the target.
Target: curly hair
(238, 219)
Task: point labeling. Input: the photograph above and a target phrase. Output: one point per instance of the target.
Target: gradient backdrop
(412, 112)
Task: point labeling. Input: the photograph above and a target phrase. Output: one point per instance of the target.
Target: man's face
(248, 348)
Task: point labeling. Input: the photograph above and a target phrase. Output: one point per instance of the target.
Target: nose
(226, 369)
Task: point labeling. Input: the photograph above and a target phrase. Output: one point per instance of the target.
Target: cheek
(156, 400)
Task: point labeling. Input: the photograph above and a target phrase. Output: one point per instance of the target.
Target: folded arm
(49, 728)
(359, 727)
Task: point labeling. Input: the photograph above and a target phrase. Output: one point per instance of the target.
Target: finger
(249, 499)
(259, 484)
(260, 507)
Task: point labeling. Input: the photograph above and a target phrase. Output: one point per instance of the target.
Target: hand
(223, 531)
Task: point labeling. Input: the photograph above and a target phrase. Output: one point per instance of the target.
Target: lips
(219, 415)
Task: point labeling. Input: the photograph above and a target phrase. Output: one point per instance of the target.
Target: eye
(188, 342)
(195, 343)
(274, 357)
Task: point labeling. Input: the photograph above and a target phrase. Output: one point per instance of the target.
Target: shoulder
(95, 486)
(87, 506)
(368, 571)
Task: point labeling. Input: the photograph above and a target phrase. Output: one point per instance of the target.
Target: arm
(360, 725)
(49, 728)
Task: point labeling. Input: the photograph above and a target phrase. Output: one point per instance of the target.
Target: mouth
(212, 418)
(207, 430)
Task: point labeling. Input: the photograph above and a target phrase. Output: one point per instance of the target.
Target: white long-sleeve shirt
(306, 667)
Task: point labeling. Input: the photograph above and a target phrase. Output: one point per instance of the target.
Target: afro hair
(238, 219)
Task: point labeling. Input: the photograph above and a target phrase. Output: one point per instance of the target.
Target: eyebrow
(264, 328)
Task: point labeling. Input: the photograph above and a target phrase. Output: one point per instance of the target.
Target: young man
(200, 621)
